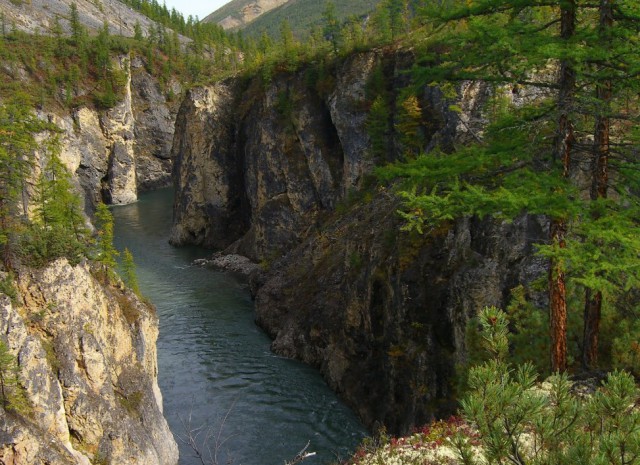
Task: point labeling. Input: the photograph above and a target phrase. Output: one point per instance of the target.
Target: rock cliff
(279, 171)
(38, 16)
(115, 154)
(87, 359)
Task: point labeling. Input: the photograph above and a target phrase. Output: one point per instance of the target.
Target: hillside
(238, 13)
(38, 16)
(267, 15)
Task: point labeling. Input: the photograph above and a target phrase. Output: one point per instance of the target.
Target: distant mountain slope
(38, 15)
(301, 14)
(238, 13)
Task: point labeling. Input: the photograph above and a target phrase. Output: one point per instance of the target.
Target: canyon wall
(85, 347)
(280, 171)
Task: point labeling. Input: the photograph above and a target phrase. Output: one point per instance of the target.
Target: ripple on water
(215, 364)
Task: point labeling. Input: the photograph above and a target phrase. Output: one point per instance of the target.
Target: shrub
(522, 423)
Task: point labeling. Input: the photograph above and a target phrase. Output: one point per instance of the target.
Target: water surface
(215, 366)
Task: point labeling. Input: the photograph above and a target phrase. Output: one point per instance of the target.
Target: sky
(199, 8)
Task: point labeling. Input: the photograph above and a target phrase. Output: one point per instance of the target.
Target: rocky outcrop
(154, 118)
(256, 164)
(237, 14)
(279, 172)
(117, 153)
(382, 313)
(87, 360)
(38, 16)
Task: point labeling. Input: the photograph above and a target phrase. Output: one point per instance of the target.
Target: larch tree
(528, 159)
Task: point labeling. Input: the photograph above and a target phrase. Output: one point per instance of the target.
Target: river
(214, 364)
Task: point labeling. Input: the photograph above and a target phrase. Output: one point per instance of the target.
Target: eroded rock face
(38, 16)
(207, 210)
(115, 154)
(154, 126)
(382, 313)
(260, 170)
(87, 358)
(256, 164)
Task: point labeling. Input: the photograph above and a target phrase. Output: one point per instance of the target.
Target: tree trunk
(599, 185)
(558, 303)
(592, 316)
(563, 152)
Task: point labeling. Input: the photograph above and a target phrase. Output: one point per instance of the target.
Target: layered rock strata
(87, 359)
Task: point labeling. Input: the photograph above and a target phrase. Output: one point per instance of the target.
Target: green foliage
(378, 128)
(18, 126)
(521, 423)
(57, 228)
(332, 30)
(518, 165)
(12, 393)
(305, 15)
(129, 271)
(626, 346)
(7, 286)
(107, 253)
(409, 125)
(529, 337)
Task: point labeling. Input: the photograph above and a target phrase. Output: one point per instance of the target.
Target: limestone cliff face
(38, 16)
(87, 358)
(278, 172)
(257, 163)
(115, 154)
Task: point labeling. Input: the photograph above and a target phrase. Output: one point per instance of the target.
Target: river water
(215, 366)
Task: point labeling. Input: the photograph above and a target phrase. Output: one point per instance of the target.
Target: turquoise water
(215, 366)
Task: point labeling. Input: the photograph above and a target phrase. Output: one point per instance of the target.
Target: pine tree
(129, 271)
(102, 49)
(17, 144)
(137, 32)
(58, 227)
(408, 125)
(78, 31)
(332, 30)
(12, 394)
(520, 423)
(289, 45)
(378, 128)
(107, 253)
(530, 151)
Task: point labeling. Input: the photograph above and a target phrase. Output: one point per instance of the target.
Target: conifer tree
(408, 125)
(107, 253)
(129, 271)
(137, 32)
(378, 127)
(332, 30)
(78, 31)
(12, 395)
(520, 423)
(289, 45)
(17, 143)
(58, 227)
(508, 42)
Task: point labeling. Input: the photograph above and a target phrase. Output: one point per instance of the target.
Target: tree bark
(558, 303)
(563, 152)
(599, 186)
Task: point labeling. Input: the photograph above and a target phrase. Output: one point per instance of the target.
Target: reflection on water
(214, 363)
